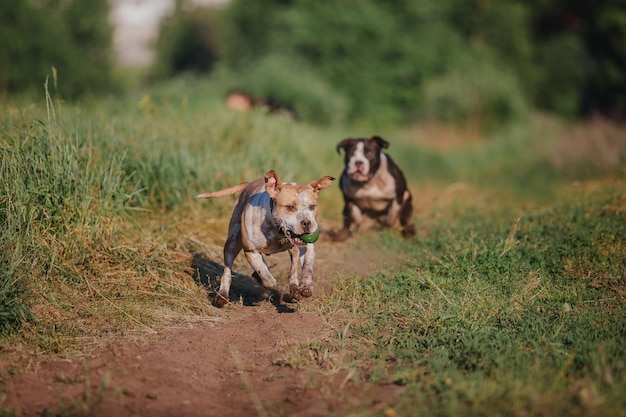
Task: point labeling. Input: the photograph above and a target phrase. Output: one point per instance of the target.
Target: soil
(236, 366)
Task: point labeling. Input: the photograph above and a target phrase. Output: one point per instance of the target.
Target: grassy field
(500, 310)
(511, 300)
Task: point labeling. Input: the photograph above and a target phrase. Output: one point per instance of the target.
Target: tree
(187, 42)
(581, 53)
(72, 36)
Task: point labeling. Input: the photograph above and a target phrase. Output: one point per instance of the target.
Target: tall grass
(58, 198)
(84, 185)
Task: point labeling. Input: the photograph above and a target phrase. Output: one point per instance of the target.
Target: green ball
(311, 237)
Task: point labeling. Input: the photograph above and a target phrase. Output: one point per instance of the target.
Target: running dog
(373, 187)
(270, 216)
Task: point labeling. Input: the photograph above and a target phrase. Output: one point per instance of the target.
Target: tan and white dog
(270, 216)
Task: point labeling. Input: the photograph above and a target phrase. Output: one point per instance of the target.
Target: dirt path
(237, 367)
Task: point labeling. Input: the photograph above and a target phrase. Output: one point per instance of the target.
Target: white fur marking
(358, 162)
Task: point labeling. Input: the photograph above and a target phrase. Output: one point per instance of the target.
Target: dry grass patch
(596, 147)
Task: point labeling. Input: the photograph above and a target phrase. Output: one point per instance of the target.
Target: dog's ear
(321, 183)
(344, 144)
(380, 141)
(273, 184)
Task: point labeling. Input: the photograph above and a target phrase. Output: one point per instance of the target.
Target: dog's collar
(278, 226)
(272, 206)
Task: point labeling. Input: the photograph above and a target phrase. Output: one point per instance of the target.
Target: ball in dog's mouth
(311, 237)
(303, 239)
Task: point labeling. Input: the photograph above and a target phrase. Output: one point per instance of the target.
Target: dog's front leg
(301, 258)
(347, 216)
(352, 219)
(307, 259)
(294, 255)
(258, 264)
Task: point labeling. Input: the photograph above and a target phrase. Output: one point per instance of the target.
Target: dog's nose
(306, 224)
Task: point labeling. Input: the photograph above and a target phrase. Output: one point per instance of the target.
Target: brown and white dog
(373, 187)
(270, 216)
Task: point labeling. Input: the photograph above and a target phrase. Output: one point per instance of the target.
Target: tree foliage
(383, 55)
(395, 56)
(188, 42)
(394, 60)
(73, 36)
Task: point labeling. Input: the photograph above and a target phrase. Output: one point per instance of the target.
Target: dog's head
(362, 156)
(295, 205)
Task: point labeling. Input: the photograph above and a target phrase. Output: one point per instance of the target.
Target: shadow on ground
(243, 287)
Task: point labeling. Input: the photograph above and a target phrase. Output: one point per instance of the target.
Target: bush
(560, 86)
(477, 91)
(379, 56)
(73, 37)
(504, 28)
(248, 28)
(188, 42)
(294, 85)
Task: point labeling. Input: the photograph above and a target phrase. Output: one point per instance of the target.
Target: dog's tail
(226, 191)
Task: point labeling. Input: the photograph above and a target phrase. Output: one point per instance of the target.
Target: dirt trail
(233, 368)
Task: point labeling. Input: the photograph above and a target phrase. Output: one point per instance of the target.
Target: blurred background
(479, 62)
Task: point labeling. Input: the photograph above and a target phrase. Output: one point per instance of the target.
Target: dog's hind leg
(260, 267)
(221, 298)
(408, 229)
(352, 217)
(392, 214)
(231, 249)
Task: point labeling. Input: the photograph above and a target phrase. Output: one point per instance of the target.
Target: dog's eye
(312, 207)
(290, 207)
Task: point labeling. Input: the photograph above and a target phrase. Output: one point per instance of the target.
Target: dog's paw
(306, 291)
(219, 300)
(299, 291)
(408, 230)
(294, 291)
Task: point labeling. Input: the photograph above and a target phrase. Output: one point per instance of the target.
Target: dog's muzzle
(359, 177)
(358, 171)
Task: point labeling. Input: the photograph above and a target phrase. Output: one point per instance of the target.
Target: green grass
(91, 195)
(510, 301)
(500, 311)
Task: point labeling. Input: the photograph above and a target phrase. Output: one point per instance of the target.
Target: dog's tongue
(295, 239)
